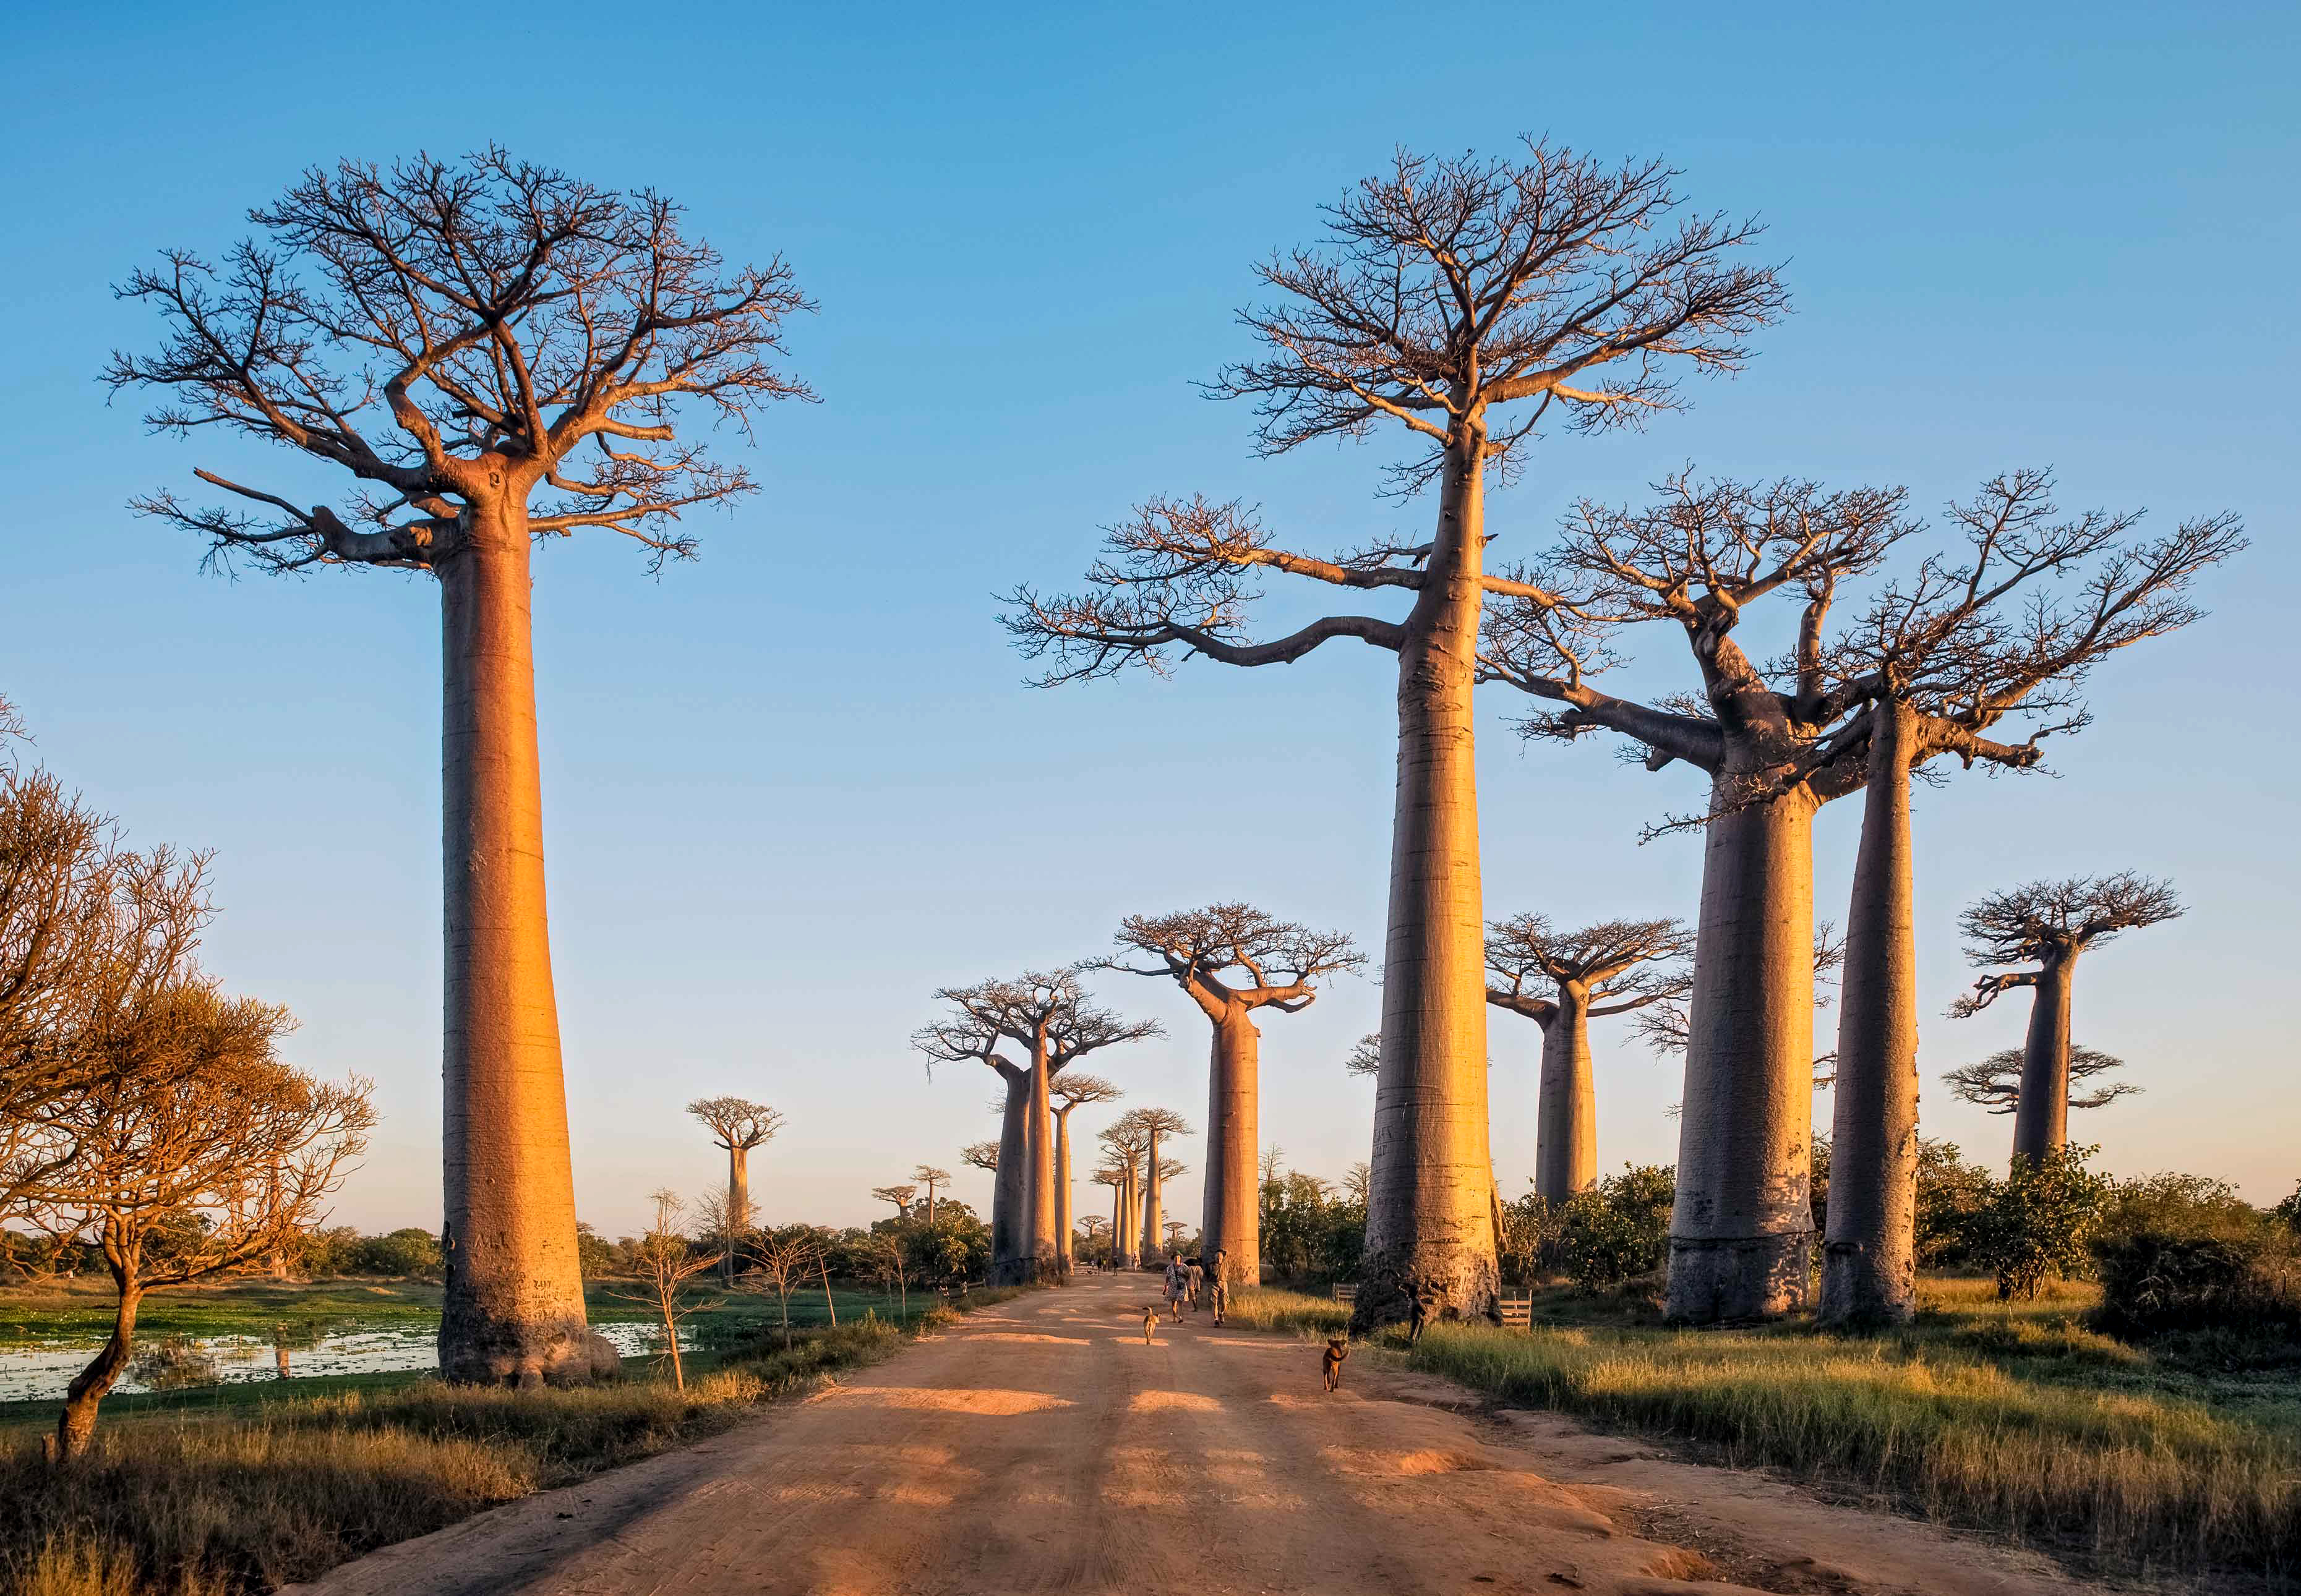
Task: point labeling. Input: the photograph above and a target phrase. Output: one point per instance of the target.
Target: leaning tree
(1152, 1125)
(1072, 1089)
(1462, 300)
(2048, 924)
(1994, 1082)
(1047, 1015)
(2010, 627)
(493, 351)
(1561, 980)
(741, 1127)
(933, 1179)
(1742, 1228)
(1233, 959)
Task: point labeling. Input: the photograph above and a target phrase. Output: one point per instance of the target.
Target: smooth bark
(513, 1310)
(1869, 1271)
(1429, 1219)
(1742, 1230)
(1154, 1245)
(1039, 1147)
(1010, 1193)
(1565, 1109)
(2041, 1119)
(1231, 1218)
(1063, 1194)
(738, 1204)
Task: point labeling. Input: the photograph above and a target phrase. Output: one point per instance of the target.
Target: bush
(2035, 1224)
(1950, 1194)
(2180, 1252)
(412, 1251)
(1618, 1229)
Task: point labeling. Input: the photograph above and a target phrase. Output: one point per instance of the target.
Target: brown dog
(1150, 1323)
(1338, 1349)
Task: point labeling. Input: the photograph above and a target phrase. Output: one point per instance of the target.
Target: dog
(1150, 1323)
(1338, 1349)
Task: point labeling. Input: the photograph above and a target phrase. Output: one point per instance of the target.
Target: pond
(41, 1371)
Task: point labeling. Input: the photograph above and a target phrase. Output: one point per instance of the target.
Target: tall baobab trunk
(1063, 1196)
(739, 1205)
(1741, 1231)
(1430, 1222)
(1231, 1218)
(1038, 1233)
(1565, 1109)
(1869, 1270)
(1118, 1218)
(1154, 1245)
(1010, 1193)
(2041, 1119)
(512, 1312)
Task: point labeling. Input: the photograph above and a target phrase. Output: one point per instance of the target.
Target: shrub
(2035, 1224)
(412, 1251)
(2184, 1253)
(1618, 1229)
(1950, 1194)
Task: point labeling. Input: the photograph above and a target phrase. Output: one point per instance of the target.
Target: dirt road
(1041, 1446)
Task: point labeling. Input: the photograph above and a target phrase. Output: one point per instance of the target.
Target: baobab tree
(1561, 980)
(900, 1196)
(1742, 1229)
(1465, 301)
(1095, 1228)
(1994, 1082)
(2048, 924)
(981, 1155)
(1120, 1176)
(493, 351)
(933, 1179)
(741, 1127)
(1231, 960)
(2010, 627)
(1151, 1126)
(1048, 1016)
(1072, 1091)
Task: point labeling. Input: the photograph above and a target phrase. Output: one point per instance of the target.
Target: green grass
(279, 1485)
(2010, 1417)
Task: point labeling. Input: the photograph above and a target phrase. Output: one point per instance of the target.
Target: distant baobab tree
(1072, 1091)
(1046, 1014)
(1120, 1178)
(1446, 293)
(2011, 626)
(1151, 1126)
(1124, 1141)
(1561, 981)
(981, 1155)
(1994, 1082)
(1698, 558)
(740, 1126)
(1233, 959)
(900, 1196)
(2048, 924)
(492, 351)
(933, 1179)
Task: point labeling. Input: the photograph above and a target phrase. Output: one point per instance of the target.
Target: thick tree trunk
(739, 1205)
(2041, 1119)
(1429, 1219)
(1063, 1196)
(1566, 1112)
(1009, 1239)
(1117, 1219)
(1741, 1232)
(1039, 1236)
(1154, 1245)
(1869, 1267)
(512, 1311)
(76, 1424)
(1129, 1225)
(1231, 1218)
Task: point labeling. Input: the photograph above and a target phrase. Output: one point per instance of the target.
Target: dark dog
(1338, 1349)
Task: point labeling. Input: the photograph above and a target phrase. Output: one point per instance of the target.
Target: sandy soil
(1041, 1446)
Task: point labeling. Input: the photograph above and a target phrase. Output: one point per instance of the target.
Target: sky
(795, 786)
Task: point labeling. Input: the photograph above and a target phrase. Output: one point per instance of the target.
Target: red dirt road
(1041, 1446)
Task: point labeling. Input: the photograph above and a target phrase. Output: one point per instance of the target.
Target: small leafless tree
(665, 1262)
(786, 1260)
(890, 1260)
(900, 1196)
(195, 1152)
(2048, 924)
(740, 1126)
(1072, 1091)
(1562, 980)
(934, 1180)
(1994, 1082)
(1048, 1016)
(1466, 301)
(1233, 959)
(485, 352)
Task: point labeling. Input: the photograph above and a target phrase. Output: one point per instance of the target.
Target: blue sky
(794, 787)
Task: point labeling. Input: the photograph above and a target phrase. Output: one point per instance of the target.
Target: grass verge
(186, 1504)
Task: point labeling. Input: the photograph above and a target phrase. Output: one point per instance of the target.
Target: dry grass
(1289, 1313)
(192, 1505)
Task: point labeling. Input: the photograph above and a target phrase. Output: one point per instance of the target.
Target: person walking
(1177, 1285)
(1194, 1281)
(1219, 1285)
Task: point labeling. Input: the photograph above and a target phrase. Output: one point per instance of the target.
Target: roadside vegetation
(233, 1490)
